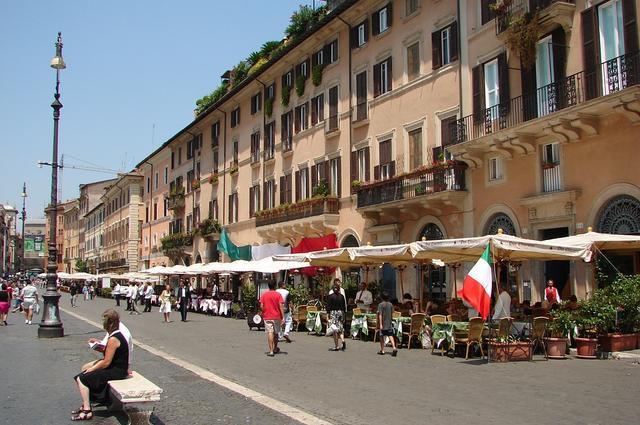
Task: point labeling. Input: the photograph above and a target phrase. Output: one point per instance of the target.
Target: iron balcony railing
(551, 177)
(444, 177)
(507, 10)
(302, 209)
(607, 78)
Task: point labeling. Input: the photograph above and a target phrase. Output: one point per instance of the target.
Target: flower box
(516, 351)
(617, 342)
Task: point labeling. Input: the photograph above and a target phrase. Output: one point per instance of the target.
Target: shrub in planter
(286, 95)
(300, 82)
(316, 75)
(250, 305)
(559, 328)
(105, 292)
(510, 350)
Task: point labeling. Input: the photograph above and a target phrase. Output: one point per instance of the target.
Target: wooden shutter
(529, 91)
(353, 37)
(251, 203)
(354, 166)
(392, 169)
(436, 54)
(265, 201)
(376, 172)
(284, 80)
(367, 164)
(297, 179)
(376, 80)
(288, 181)
(339, 184)
(503, 81)
(306, 185)
(389, 74)
(453, 42)
(327, 173)
(230, 212)
(590, 51)
(314, 177)
(296, 119)
(326, 54)
(630, 22)
(366, 30)
(558, 40)
(375, 23)
(389, 13)
(282, 190)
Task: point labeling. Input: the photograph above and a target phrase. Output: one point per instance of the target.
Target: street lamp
(24, 217)
(51, 325)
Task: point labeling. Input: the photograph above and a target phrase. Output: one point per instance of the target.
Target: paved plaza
(352, 387)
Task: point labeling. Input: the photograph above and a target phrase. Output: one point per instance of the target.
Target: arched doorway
(508, 277)
(434, 279)
(621, 215)
(499, 221)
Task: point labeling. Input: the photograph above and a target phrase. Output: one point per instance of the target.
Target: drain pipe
(224, 163)
(348, 158)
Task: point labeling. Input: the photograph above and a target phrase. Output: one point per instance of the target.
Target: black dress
(97, 380)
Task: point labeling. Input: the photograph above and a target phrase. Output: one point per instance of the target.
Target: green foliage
(105, 292)
(299, 295)
(286, 95)
(208, 100)
(321, 189)
(622, 299)
(562, 322)
(303, 20)
(176, 240)
(269, 48)
(523, 34)
(208, 226)
(300, 83)
(235, 308)
(81, 266)
(350, 285)
(249, 298)
(316, 75)
(268, 106)
(375, 287)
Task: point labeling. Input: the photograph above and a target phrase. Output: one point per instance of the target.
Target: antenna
(153, 135)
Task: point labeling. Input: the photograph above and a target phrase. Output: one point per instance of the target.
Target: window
(213, 209)
(382, 77)
(148, 184)
(191, 148)
(285, 189)
(155, 210)
(333, 51)
(360, 34)
(386, 169)
(146, 214)
(302, 117)
(335, 176)
(235, 152)
(286, 130)
(302, 184)
(411, 7)
(448, 130)
(361, 96)
(166, 175)
(317, 109)
(444, 46)
(551, 154)
(269, 140)
(270, 92)
(254, 200)
(255, 147)
(179, 155)
(491, 87)
(157, 180)
(303, 69)
(256, 103)
(415, 148)
(318, 58)
(333, 108)
(360, 165)
(495, 169)
(233, 208)
(413, 61)
(215, 134)
(269, 195)
(173, 160)
(165, 207)
(551, 178)
(611, 26)
(287, 79)
(381, 20)
(487, 12)
(235, 117)
(215, 161)
(190, 180)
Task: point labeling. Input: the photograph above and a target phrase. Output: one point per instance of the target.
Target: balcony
(175, 201)
(550, 13)
(301, 218)
(567, 110)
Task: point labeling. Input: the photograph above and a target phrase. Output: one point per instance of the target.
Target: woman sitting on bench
(113, 366)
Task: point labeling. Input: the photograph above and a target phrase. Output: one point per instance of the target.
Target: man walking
(148, 293)
(133, 293)
(385, 314)
(184, 296)
(272, 306)
(126, 291)
(284, 293)
(116, 293)
(73, 291)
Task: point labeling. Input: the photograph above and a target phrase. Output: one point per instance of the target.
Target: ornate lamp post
(51, 325)
(23, 218)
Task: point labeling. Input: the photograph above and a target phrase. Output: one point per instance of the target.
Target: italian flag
(476, 288)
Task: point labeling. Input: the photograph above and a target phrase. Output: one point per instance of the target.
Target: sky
(134, 72)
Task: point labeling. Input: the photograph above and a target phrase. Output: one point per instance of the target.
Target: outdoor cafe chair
(300, 318)
(504, 327)
(476, 326)
(538, 333)
(437, 318)
(357, 311)
(416, 328)
(453, 318)
(372, 325)
(312, 308)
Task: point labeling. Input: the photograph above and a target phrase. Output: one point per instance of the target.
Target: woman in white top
(29, 296)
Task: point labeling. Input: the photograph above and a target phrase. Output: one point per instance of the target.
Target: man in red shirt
(272, 306)
(551, 293)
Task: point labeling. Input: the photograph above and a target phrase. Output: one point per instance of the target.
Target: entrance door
(544, 76)
(557, 270)
(389, 280)
(611, 44)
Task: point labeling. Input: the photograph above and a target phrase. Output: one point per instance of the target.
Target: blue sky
(134, 72)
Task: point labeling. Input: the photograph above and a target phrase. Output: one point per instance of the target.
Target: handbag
(36, 308)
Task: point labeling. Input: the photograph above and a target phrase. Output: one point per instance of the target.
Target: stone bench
(137, 396)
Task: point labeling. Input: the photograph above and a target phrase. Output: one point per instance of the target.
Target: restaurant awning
(601, 241)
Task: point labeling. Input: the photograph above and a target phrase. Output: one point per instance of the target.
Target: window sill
(255, 163)
(382, 34)
(360, 123)
(330, 134)
(413, 14)
(287, 153)
(268, 161)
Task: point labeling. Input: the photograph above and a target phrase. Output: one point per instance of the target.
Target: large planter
(510, 351)
(617, 342)
(638, 340)
(556, 348)
(586, 348)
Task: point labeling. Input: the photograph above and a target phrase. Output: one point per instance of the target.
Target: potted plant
(510, 349)
(268, 106)
(591, 319)
(355, 185)
(620, 304)
(300, 82)
(316, 75)
(559, 327)
(286, 94)
(213, 179)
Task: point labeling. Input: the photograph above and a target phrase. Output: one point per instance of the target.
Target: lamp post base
(50, 331)
(51, 325)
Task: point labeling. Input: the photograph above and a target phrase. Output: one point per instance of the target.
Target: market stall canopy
(503, 247)
(601, 241)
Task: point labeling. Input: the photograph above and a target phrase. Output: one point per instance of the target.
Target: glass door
(611, 45)
(544, 77)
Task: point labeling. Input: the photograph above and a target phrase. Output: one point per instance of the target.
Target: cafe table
(446, 332)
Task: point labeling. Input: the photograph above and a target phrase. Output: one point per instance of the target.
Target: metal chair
(476, 327)
(538, 333)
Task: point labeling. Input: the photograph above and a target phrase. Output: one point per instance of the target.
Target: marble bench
(137, 396)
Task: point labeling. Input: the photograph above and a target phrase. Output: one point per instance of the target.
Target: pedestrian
(337, 312)
(134, 299)
(113, 366)
(73, 291)
(85, 292)
(5, 299)
(284, 293)
(92, 291)
(165, 303)
(184, 298)
(29, 296)
(17, 300)
(272, 306)
(116, 293)
(364, 298)
(338, 282)
(148, 294)
(385, 326)
(128, 290)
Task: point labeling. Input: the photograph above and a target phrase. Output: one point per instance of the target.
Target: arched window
(620, 216)
(431, 232)
(500, 221)
(349, 242)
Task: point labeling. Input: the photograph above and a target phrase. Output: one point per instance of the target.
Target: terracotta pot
(617, 342)
(556, 348)
(586, 347)
(638, 340)
(510, 351)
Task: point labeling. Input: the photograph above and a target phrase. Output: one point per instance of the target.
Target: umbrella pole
(401, 270)
(455, 282)
(421, 286)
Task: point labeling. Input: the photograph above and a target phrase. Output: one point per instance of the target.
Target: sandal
(83, 415)
(77, 411)
(381, 353)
